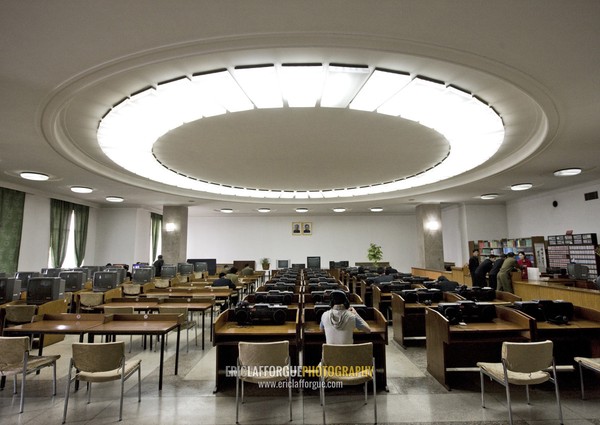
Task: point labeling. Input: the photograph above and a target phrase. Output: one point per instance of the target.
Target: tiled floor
(414, 397)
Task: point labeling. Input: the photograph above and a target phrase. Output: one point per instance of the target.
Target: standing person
(504, 275)
(473, 263)
(493, 274)
(158, 265)
(523, 262)
(479, 278)
(340, 321)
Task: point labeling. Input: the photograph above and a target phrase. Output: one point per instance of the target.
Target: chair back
(526, 357)
(19, 313)
(132, 289)
(118, 310)
(253, 354)
(98, 357)
(161, 283)
(91, 299)
(11, 351)
(348, 355)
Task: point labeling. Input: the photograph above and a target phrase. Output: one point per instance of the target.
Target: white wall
(535, 215)
(334, 238)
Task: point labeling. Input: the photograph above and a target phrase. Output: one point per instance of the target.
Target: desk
(227, 335)
(542, 290)
(462, 346)
(221, 293)
(408, 319)
(100, 324)
(153, 304)
(580, 337)
(314, 338)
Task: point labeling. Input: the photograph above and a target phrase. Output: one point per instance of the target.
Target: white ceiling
(65, 63)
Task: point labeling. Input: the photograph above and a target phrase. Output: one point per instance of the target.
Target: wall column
(429, 236)
(174, 240)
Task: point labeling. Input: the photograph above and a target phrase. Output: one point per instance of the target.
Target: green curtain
(82, 214)
(12, 205)
(156, 224)
(60, 218)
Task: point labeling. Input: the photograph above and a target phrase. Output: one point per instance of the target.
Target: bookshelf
(579, 248)
(534, 248)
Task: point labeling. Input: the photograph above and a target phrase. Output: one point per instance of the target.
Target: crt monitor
(122, 273)
(283, 264)
(200, 266)
(74, 280)
(168, 271)
(41, 290)
(577, 271)
(10, 289)
(51, 272)
(313, 262)
(24, 278)
(105, 280)
(185, 269)
(142, 274)
(210, 262)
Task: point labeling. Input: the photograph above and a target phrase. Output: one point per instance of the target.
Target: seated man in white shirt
(340, 321)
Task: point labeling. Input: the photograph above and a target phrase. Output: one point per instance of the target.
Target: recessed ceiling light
(521, 186)
(32, 175)
(226, 210)
(301, 210)
(376, 209)
(81, 189)
(489, 196)
(114, 199)
(567, 172)
(264, 210)
(339, 210)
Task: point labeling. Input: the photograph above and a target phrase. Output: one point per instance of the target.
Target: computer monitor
(51, 272)
(105, 280)
(74, 280)
(10, 289)
(168, 271)
(200, 266)
(283, 264)
(41, 290)
(122, 273)
(185, 269)
(142, 274)
(210, 262)
(91, 270)
(24, 278)
(313, 262)
(577, 271)
(298, 266)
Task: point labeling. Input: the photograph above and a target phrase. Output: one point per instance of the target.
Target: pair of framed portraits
(302, 228)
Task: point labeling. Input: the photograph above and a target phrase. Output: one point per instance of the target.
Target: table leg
(203, 328)
(177, 349)
(162, 359)
(212, 314)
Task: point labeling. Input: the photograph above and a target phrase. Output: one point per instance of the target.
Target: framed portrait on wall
(297, 228)
(307, 228)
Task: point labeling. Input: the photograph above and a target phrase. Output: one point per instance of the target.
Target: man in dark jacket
(479, 277)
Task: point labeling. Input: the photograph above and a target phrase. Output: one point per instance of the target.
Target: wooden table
(455, 347)
(227, 335)
(314, 338)
(101, 324)
(150, 304)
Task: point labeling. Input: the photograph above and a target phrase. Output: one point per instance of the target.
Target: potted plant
(374, 254)
(266, 264)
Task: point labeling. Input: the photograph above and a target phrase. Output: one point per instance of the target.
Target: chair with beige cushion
(15, 360)
(101, 362)
(349, 364)
(523, 363)
(89, 302)
(18, 314)
(260, 362)
(187, 324)
(587, 363)
(131, 289)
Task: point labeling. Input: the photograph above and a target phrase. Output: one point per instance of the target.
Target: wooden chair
(101, 362)
(588, 363)
(357, 359)
(523, 363)
(262, 362)
(15, 360)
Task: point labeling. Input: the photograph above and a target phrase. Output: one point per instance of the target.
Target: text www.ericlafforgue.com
(300, 384)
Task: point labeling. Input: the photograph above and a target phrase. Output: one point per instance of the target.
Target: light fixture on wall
(32, 175)
(170, 227)
(115, 199)
(567, 172)
(81, 189)
(432, 225)
(521, 186)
